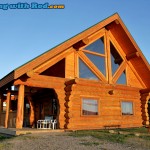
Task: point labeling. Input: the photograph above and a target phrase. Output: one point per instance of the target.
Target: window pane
(122, 78)
(98, 61)
(89, 107)
(85, 72)
(97, 46)
(116, 59)
(127, 108)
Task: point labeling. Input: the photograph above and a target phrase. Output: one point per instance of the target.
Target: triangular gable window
(85, 72)
(98, 61)
(116, 59)
(122, 78)
(97, 46)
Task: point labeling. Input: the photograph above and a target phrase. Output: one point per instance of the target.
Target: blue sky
(25, 34)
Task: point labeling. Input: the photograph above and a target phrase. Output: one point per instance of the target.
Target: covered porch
(29, 99)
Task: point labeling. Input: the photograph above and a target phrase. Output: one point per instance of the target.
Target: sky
(27, 33)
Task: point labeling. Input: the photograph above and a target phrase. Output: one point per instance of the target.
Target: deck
(14, 131)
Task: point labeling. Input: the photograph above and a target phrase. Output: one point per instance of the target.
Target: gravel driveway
(61, 141)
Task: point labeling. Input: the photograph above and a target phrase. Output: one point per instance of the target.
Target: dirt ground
(62, 141)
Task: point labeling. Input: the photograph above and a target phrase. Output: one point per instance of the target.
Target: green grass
(4, 145)
(25, 137)
(2, 137)
(133, 130)
(89, 143)
(145, 137)
(102, 135)
(113, 137)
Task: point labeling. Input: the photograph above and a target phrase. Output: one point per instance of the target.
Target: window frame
(88, 62)
(90, 98)
(114, 77)
(127, 101)
(108, 77)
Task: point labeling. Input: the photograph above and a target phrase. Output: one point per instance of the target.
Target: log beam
(132, 55)
(30, 73)
(7, 109)
(42, 82)
(15, 92)
(117, 21)
(145, 91)
(81, 43)
(20, 107)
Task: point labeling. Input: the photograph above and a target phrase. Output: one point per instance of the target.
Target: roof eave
(7, 79)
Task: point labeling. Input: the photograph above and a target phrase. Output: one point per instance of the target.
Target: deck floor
(14, 131)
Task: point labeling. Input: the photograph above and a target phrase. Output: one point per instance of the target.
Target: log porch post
(20, 108)
(7, 108)
(32, 114)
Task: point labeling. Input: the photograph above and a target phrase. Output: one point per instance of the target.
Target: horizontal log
(132, 55)
(117, 21)
(81, 43)
(48, 78)
(30, 73)
(70, 82)
(37, 83)
(67, 115)
(68, 88)
(95, 83)
(145, 91)
(66, 105)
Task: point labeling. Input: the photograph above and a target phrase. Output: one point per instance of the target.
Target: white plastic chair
(54, 124)
(49, 119)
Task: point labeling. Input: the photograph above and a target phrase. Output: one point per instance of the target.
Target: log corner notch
(145, 97)
(132, 55)
(81, 43)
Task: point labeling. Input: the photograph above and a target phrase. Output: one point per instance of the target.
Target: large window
(94, 53)
(103, 59)
(122, 78)
(116, 59)
(89, 106)
(127, 108)
(85, 72)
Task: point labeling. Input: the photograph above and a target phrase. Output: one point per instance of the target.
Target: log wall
(3, 114)
(109, 106)
(132, 80)
(70, 66)
(11, 120)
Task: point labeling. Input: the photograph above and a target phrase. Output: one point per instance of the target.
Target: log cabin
(96, 79)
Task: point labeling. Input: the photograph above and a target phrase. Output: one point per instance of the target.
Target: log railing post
(20, 107)
(7, 109)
